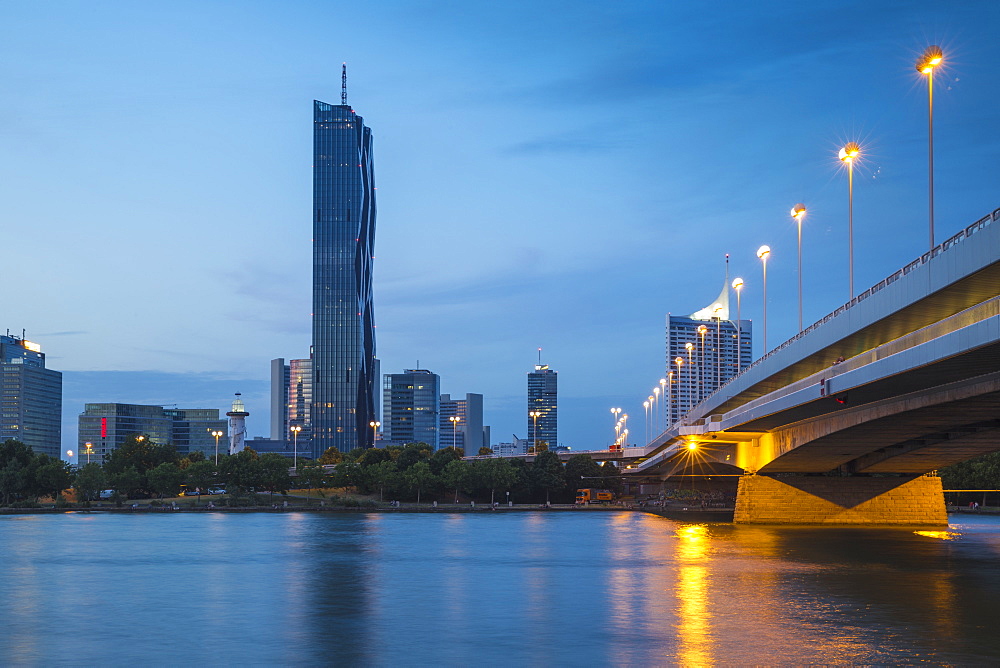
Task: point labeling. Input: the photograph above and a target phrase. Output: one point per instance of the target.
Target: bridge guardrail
(968, 231)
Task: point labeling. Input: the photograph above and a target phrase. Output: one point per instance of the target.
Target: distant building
(543, 394)
(30, 397)
(519, 446)
(466, 430)
(345, 379)
(712, 349)
(291, 401)
(411, 405)
(107, 426)
(281, 447)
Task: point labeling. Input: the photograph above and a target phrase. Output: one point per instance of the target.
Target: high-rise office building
(711, 348)
(105, 427)
(343, 331)
(279, 399)
(543, 409)
(30, 397)
(461, 423)
(411, 405)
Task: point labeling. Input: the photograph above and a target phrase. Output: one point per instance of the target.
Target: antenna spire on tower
(343, 84)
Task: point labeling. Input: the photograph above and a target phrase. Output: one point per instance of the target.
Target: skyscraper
(343, 331)
(543, 409)
(106, 427)
(712, 349)
(30, 397)
(411, 402)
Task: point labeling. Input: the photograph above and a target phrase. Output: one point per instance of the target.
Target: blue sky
(550, 174)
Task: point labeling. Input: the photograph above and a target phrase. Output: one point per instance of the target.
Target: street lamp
(701, 362)
(656, 408)
(930, 59)
(798, 213)
(664, 401)
(645, 406)
(88, 447)
(534, 415)
(295, 446)
(738, 286)
(217, 435)
(374, 425)
(454, 419)
(679, 361)
(718, 346)
(848, 155)
(669, 393)
(615, 412)
(763, 252)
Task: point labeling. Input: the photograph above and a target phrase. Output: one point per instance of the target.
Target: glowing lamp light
(763, 252)
(737, 283)
(850, 152)
(798, 211)
(931, 58)
(692, 446)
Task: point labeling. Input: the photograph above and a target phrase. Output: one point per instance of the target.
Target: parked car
(106, 493)
(216, 490)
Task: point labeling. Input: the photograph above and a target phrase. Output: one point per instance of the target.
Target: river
(515, 588)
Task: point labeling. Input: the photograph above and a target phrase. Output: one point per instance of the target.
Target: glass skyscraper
(30, 397)
(543, 401)
(344, 371)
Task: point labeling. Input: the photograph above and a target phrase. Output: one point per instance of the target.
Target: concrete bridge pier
(841, 500)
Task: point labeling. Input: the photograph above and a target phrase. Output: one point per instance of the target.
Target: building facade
(543, 406)
(461, 423)
(30, 397)
(704, 351)
(103, 428)
(343, 327)
(291, 401)
(411, 407)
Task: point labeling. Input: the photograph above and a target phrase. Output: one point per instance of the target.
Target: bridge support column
(818, 500)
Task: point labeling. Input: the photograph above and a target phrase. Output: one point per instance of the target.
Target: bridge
(816, 440)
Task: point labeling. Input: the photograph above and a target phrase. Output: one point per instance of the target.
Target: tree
(612, 478)
(126, 483)
(313, 475)
(411, 454)
(485, 451)
(165, 479)
(15, 460)
(497, 474)
(196, 456)
(420, 477)
(274, 473)
(374, 456)
(200, 475)
(90, 480)
(455, 476)
(581, 471)
(52, 477)
(380, 475)
(546, 473)
(331, 456)
(242, 471)
(440, 459)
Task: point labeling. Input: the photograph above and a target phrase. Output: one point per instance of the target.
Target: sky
(555, 175)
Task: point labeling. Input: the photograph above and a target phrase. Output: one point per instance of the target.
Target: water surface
(534, 589)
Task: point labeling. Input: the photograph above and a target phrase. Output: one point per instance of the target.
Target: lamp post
(217, 435)
(664, 401)
(624, 429)
(615, 412)
(701, 362)
(668, 392)
(656, 408)
(718, 347)
(534, 415)
(679, 361)
(930, 59)
(295, 446)
(645, 406)
(763, 252)
(848, 155)
(454, 420)
(88, 447)
(798, 213)
(374, 425)
(738, 286)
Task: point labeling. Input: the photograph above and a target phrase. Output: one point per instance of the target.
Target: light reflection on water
(535, 588)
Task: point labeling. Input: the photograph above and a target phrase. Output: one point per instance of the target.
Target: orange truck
(585, 496)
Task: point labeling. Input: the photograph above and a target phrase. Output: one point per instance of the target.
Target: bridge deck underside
(965, 293)
(913, 441)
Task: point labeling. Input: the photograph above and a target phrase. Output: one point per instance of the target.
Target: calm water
(538, 589)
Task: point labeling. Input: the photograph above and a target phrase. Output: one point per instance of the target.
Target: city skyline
(602, 226)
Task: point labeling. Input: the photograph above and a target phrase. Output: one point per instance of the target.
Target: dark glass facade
(543, 398)
(30, 397)
(343, 350)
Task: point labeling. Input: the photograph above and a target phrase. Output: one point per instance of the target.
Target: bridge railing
(892, 278)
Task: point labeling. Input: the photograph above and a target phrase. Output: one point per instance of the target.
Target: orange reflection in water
(691, 591)
(942, 535)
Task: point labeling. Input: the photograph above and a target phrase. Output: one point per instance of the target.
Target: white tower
(237, 426)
